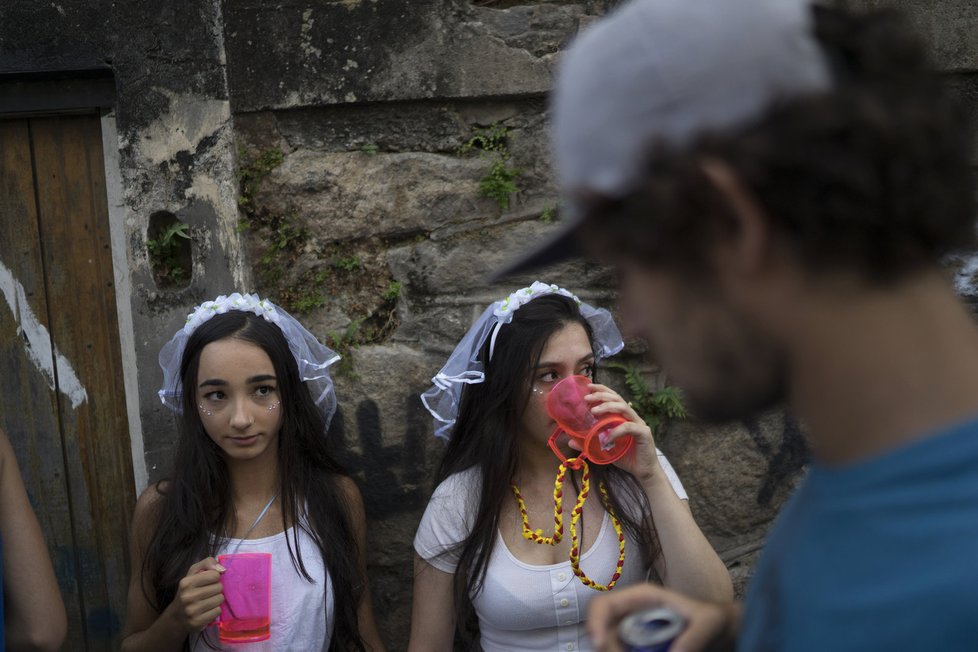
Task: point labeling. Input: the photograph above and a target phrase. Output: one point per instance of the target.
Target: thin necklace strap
(264, 511)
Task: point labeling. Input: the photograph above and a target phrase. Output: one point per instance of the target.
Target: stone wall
(393, 237)
(375, 169)
(350, 159)
(376, 186)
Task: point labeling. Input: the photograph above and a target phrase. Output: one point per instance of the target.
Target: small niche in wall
(169, 245)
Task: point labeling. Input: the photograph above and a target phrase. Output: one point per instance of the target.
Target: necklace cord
(537, 536)
(264, 511)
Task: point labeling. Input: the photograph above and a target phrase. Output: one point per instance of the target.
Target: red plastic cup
(566, 406)
(246, 610)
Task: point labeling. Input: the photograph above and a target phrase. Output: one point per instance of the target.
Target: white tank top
(302, 611)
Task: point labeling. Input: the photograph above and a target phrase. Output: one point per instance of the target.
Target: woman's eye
(588, 371)
(264, 391)
(214, 396)
(549, 377)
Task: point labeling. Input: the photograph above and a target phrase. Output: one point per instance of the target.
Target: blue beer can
(652, 630)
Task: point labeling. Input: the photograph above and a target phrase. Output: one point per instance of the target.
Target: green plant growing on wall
(370, 149)
(656, 407)
(298, 294)
(348, 264)
(393, 291)
(499, 182)
(252, 172)
(343, 343)
(548, 215)
(278, 239)
(287, 235)
(164, 250)
(308, 301)
(281, 243)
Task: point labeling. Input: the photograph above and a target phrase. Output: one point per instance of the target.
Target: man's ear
(746, 248)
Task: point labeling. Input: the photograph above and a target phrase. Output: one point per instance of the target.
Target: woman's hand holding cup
(199, 596)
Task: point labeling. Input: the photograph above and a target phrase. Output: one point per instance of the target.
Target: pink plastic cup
(566, 406)
(246, 610)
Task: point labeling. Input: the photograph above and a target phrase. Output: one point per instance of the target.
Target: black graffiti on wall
(393, 475)
(783, 462)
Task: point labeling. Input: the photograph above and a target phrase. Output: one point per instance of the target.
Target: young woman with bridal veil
(252, 474)
(489, 548)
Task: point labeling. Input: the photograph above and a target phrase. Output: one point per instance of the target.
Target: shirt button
(564, 602)
(560, 578)
(569, 646)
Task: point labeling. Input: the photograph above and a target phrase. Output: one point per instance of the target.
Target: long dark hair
(485, 436)
(196, 507)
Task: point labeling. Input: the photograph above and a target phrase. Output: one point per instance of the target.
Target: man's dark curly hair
(872, 176)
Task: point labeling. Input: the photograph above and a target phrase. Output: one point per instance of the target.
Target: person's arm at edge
(433, 609)
(35, 617)
(365, 610)
(709, 626)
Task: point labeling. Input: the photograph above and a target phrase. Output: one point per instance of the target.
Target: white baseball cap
(666, 71)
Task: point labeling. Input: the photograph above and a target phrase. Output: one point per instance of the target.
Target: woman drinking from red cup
(509, 543)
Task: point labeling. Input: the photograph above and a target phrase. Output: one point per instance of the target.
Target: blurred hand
(708, 626)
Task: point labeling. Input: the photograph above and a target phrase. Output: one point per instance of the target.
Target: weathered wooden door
(62, 401)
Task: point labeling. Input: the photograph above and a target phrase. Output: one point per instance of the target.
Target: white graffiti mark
(38, 341)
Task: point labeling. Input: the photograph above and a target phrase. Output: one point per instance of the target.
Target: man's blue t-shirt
(879, 555)
(3, 633)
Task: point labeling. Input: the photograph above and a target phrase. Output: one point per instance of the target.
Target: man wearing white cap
(777, 185)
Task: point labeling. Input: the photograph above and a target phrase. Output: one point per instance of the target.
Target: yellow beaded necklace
(537, 536)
